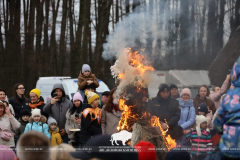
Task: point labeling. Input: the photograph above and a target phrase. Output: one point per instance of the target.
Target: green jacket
(22, 128)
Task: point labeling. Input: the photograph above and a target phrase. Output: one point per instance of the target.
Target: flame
(129, 117)
(120, 76)
(170, 143)
(136, 60)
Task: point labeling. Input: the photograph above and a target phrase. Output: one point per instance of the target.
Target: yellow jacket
(56, 138)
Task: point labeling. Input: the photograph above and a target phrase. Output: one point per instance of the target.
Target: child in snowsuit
(56, 138)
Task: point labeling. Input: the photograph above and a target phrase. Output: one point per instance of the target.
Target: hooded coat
(187, 118)
(228, 116)
(166, 109)
(40, 126)
(56, 138)
(58, 110)
(22, 104)
(82, 80)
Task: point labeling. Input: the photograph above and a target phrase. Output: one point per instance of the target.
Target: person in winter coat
(203, 93)
(37, 122)
(91, 88)
(58, 107)
(200, 139)
(86, 78)
(56, 138)
(188, 115)
(19, 101)
(104, 98)
(23, 120)
(37, 101)
(228, 116)
(203, 110)
(3, 97)
(111, 115)
(73, 117)
(91, 119)
(216, 93)
(166, 108)
(8, 122)
(174, 91)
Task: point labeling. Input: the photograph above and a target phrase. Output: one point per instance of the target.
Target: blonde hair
(61, 152)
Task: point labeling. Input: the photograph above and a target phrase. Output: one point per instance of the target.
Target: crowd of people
(59, 127)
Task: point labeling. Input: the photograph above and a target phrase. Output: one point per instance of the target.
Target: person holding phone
(73, 117)
(57, 108)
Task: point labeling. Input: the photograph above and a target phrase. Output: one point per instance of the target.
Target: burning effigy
(132, 74)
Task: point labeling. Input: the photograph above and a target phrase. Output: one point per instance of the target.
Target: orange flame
(170, 143)
(137, 61)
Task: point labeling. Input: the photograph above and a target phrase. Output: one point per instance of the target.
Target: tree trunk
(225, 60)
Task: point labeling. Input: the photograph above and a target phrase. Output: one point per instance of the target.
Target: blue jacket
(38, 126)
(227, 121)
(184, 122)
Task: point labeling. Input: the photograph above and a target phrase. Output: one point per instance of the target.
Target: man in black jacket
(166, 108)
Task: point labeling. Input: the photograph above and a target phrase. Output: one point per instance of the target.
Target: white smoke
(143, 24)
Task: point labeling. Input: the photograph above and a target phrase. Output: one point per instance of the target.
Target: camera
(77, 116)
(55, 94)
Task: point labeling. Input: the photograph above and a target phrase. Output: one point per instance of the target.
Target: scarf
(35, 105)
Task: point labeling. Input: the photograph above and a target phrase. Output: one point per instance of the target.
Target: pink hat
(77, 96)
(186, 91)
(6, 153)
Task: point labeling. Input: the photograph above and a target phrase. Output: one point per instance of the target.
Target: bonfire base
(149, 134)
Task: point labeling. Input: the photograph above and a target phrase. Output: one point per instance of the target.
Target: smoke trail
(136, 29)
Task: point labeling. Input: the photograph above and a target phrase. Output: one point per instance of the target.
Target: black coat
(166, 109)
(22, 104)
(41, 107)
(88, 128)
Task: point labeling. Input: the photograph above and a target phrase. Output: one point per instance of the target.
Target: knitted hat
(163, 87)
(36, 112)
(146, 150)
(86, 67)
(24, 112)
(6, 153)
(91, 96)
(173, 86)
(186, 91)
(77, 96)
(200, 119)
(203, 108)
(36, 91)
(51, 120)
